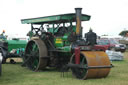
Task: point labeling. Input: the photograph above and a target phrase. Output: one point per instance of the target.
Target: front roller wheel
(79, 72)
(93, 64)
(34, 53)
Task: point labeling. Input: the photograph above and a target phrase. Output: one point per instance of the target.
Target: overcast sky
(107, 16)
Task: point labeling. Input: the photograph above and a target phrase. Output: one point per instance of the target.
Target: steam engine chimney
(78, 22)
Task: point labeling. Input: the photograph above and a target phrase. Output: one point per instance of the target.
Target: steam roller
(57, 41)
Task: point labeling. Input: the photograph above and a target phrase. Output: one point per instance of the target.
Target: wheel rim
(34, 53)
(79, 73)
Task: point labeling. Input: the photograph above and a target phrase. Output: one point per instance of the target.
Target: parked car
(104, 43)
(112, 44)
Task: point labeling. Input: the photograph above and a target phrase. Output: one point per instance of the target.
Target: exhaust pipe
(78, 22)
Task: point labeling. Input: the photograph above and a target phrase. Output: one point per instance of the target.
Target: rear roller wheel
(34, 53)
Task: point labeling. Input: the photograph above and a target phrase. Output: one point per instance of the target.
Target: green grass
(14, 74)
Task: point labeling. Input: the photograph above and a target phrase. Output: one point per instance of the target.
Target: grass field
(14, 74)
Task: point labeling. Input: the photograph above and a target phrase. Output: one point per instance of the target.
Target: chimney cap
(78, 8)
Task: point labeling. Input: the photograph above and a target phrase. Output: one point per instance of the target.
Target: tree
(124, 33)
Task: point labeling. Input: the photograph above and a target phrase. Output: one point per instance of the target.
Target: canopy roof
(55, 19)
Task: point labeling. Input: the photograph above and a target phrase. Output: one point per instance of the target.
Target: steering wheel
(36, 31)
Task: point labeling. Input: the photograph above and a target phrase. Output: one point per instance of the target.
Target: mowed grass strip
(14, 74)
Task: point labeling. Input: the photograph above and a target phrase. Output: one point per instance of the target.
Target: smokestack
(78, 21)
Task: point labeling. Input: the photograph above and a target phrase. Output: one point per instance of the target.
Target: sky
(108, 17)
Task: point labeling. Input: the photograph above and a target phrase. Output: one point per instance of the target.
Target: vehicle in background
(124, 41)
(120, 47)
(104, 43)
(11, 48)
(112, 44)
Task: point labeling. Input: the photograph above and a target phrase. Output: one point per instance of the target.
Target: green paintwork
(30, 34)
(62, 43)
(65, 37)
(74, 28)
(35, 63)
(65, 48)
(14, 44)
(59, 42)
(55, 19)
(52, 30)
